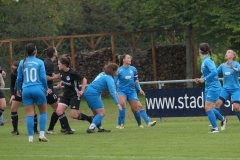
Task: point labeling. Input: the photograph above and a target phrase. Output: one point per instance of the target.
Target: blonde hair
(234, 57)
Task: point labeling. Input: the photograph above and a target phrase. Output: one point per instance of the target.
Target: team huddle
(32, 84)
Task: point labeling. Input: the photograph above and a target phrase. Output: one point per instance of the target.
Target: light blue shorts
(130, 95)
(33, 94)
(212, 96)
(93, 99)
(235, 93)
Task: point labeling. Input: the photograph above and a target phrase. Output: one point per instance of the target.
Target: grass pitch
(171, 139)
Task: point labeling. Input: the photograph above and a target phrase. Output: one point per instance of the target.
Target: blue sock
(238, 115)
(30, 124)
(144, 116)
(119, 119)
(138, 118)
(212, 118)
(218, 109)
(218, 114)
(99, 125)
(43, 121)
(97, 119)
(122, 115)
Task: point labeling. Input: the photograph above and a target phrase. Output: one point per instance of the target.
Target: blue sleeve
(19, 75)
(138, 87)
(112, 89)
(42, 76)
(213, 71)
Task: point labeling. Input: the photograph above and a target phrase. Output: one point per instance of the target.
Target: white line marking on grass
(114, 157)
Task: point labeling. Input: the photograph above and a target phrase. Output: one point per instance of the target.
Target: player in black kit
(72, 93)
(52, 98)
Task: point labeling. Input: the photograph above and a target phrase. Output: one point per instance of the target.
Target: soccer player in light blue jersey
(212, 85)
(93, 93)
(127, 78)
(31, 73)
(230, 71)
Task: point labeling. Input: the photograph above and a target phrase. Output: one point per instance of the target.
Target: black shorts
(18, 99)
(1, 94)
(74, 102)
(52, 98)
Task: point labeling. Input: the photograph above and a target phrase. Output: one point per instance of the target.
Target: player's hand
(119, 107)
(4, 74)
(80, 92)
(196, 80)
(201, 80)
(19, 93)
(12, 97)
(57, 75)
(49, 91)
(142, 92)
(59, 85)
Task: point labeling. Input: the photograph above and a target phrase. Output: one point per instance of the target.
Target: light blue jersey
(231, 85)
(230, 77)
(33, 73)
(126, 78)
(101, 83)
(34, 81)
(209, 71)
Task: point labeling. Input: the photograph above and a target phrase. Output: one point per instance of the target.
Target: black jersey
(13, 86)
(49, 68)
(70, 81)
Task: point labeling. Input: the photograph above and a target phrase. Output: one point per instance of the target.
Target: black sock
(64, 122)
(1, 111)
(35, 122)
(53, 121)
(84, 117)
(14, 117)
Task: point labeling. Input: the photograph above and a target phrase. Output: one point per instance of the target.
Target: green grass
(172, 138)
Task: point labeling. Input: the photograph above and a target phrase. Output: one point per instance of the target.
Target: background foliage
(209, 21)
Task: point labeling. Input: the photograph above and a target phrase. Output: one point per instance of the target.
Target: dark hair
(30, 50)
(110, 68)
(205, 49)
(49, 51)
(121, 59)
(65, 59)
(14, 72)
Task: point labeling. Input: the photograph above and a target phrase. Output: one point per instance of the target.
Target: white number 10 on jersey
(31, 75)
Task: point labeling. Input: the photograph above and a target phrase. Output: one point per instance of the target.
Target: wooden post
(93, 43)
(113, 49)
(53, 43)
(72, 53)
(10, 54)
(154, 57)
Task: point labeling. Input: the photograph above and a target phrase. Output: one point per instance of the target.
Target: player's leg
(121, 113)
(41, 102)
(236, 102)
(3, 104)
(145, 116)
(16, 101)
(52, 99)
(62, 106)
